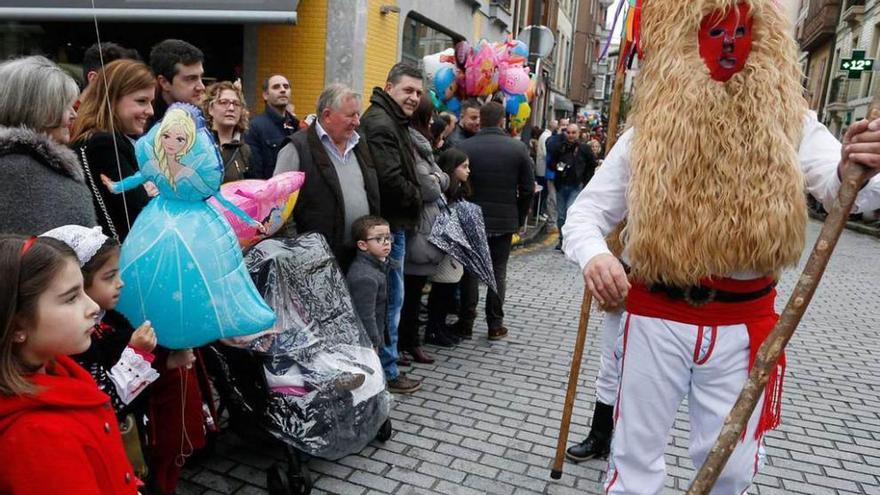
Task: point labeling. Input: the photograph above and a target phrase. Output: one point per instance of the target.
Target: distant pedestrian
(575, 166)
(100, 55)
(468, 125)
(269, 130)
(503, 183)
(226, 114)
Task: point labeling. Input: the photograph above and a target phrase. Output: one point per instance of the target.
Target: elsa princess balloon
(181, 263)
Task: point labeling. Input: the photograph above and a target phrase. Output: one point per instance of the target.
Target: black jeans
(499, 251)
(441, 302)
(408, 330)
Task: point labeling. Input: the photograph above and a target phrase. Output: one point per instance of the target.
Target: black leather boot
(597, 445)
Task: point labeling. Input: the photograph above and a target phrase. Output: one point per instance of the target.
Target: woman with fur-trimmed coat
(41, 184)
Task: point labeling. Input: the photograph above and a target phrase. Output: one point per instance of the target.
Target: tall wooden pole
(616, 102)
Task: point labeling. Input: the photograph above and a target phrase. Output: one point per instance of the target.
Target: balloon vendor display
(270, 201)
(181, 263)
(482, 71)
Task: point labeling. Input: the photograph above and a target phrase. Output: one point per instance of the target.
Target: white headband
(84, 241)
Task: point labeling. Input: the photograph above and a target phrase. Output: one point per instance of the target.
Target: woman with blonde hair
(113, 113)
(227, 116)
(41, 183)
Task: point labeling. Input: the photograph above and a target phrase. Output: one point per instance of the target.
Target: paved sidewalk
(487, 417)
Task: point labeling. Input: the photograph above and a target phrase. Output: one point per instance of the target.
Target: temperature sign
(856, 64)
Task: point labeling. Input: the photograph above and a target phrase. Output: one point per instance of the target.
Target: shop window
(422, 37)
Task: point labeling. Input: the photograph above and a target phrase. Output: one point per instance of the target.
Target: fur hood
(24, 141)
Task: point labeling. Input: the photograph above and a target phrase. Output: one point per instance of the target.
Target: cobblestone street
(487, 416)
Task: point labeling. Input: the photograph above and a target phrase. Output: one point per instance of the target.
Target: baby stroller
(313, 382)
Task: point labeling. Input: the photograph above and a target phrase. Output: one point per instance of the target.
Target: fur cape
(41, 184)
(716, 187)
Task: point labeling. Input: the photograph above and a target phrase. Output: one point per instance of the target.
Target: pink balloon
(514, 80)
(270, 202)
(480, 76)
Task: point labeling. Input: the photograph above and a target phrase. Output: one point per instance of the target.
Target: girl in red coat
(58, 432)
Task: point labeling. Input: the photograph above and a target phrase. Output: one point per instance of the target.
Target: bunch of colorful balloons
(483, 71)
(591, 118)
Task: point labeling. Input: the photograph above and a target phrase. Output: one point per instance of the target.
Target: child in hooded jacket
(58, 431)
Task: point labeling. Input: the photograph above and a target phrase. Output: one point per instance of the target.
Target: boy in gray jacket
(368, 275)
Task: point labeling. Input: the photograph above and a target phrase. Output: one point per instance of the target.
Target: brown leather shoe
(403, 385)
(497, 333)
(418, 355)
(403, 361)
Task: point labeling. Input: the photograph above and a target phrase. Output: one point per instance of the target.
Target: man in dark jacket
(341, 184)
(385, 126)
(574, 166)
(178, 68)
(268, 130)
(503, 181)
(468, 124)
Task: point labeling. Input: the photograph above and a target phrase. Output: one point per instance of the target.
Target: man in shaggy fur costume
(711, 178)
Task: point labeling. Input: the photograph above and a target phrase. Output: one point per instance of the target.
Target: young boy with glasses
(368, 283)
(368, 274)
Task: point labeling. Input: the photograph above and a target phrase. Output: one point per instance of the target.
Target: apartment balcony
(499, 13)
(839, 95)
(820, 24)
(853, 11)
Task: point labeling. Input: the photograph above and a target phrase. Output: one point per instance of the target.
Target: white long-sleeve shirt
(601, 206)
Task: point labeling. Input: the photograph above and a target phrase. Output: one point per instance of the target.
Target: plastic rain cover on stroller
(327, 393)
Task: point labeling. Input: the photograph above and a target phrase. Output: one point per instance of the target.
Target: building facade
(857, 33)
(589, 36)
(815, 32)
(312, 42)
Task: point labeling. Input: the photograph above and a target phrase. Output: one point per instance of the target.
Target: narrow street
(487, 417)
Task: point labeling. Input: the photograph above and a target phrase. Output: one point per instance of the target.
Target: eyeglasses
(227, 103)
(380, 239)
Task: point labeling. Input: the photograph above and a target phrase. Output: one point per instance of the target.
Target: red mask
(726, 41)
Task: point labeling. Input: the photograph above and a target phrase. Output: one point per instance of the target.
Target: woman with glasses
(227, 116)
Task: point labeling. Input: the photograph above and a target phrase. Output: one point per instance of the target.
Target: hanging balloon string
(109, 107)
(110, 112)
(186, 446)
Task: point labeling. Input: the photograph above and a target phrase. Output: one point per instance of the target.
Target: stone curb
(851, 225)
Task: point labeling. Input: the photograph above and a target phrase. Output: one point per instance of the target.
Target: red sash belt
(758, 315)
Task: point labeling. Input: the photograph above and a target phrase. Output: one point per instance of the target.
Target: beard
(716, 185)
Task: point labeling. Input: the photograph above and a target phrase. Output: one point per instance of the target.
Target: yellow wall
(297, 52)
(477, 26)
(380, 52)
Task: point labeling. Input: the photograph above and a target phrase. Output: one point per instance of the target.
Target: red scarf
(757, 315)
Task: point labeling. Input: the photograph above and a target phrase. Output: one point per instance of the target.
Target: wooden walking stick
(575, 371)
(573, 376)
(854, 179)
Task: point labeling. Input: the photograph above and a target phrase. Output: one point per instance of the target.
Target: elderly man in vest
(341, 183)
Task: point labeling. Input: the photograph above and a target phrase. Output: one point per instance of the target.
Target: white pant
(609, 360)
(663, 361)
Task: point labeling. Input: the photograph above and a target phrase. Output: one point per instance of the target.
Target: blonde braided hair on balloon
(176, 117)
